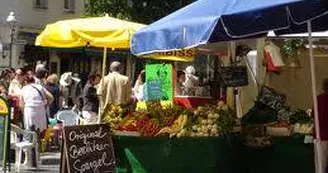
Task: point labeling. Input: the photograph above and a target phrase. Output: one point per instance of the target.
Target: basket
(278, 131)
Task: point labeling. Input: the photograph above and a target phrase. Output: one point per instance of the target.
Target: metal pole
(319, 156)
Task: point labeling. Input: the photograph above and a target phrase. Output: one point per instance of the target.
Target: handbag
(43, 98)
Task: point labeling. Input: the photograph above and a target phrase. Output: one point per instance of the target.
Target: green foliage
(226, 121)
(290, 47)
(300, 116)
(114, 8)
(142, 11)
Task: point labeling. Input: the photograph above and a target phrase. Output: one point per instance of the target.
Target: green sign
(159, 76)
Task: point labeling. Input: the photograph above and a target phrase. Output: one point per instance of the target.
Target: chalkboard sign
(233, 76)
(88, 149)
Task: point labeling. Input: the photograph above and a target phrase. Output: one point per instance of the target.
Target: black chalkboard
(88, 149)
(233, 76)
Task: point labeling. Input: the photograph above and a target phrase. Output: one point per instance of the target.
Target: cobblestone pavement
(50, 163)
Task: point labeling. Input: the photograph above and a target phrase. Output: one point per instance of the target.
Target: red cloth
(269, 64)
(191, 102)
(323, 115)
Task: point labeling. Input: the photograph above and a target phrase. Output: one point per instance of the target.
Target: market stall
(210, 139)
(207, 22)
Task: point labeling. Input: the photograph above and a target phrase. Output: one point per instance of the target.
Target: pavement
(50, 163)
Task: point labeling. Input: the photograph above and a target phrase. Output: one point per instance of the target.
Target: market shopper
(71, 87)
(323, 123)
(53, 87)
(138, 89)
(91, 100)
(5, 78)
(34, 100)
(15, 92)
(40, 76)
(115, 88)
(16, 85)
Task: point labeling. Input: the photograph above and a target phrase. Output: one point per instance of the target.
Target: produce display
(211, 120)
(215, 119)
(270, 116)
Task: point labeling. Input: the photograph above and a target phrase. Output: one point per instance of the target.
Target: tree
(114, 8)
(142, 11)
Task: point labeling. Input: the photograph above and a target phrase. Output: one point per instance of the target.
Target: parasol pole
(103, 73)
(319, 156)
(104, 63)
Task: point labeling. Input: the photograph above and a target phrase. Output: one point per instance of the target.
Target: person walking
(91, 100)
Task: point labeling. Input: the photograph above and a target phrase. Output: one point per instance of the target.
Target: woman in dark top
(91, 100)
(54, 89)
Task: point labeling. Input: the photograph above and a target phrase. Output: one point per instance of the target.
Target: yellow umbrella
(95, 31)
(106, 32)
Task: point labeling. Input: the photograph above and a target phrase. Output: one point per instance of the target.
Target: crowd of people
(38, 96)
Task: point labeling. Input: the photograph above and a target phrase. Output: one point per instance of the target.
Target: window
(40, 3)
(69, 5)
(195, 78)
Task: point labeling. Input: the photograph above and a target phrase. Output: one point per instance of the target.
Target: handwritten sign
(88, 149)
(233, 76)
(155, 90)
(162, 73)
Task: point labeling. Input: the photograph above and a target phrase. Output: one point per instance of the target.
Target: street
(50, 163)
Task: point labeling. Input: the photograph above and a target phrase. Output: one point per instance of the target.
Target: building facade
(32, 16)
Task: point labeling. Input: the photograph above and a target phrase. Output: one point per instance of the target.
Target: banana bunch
(113, 114)
(177, 128)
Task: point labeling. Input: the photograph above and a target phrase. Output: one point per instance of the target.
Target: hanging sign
(176, 55)
(159, 77)
(88, 149)
(233, 76)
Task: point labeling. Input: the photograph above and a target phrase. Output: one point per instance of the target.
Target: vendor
(179, 87)
(191, 81)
